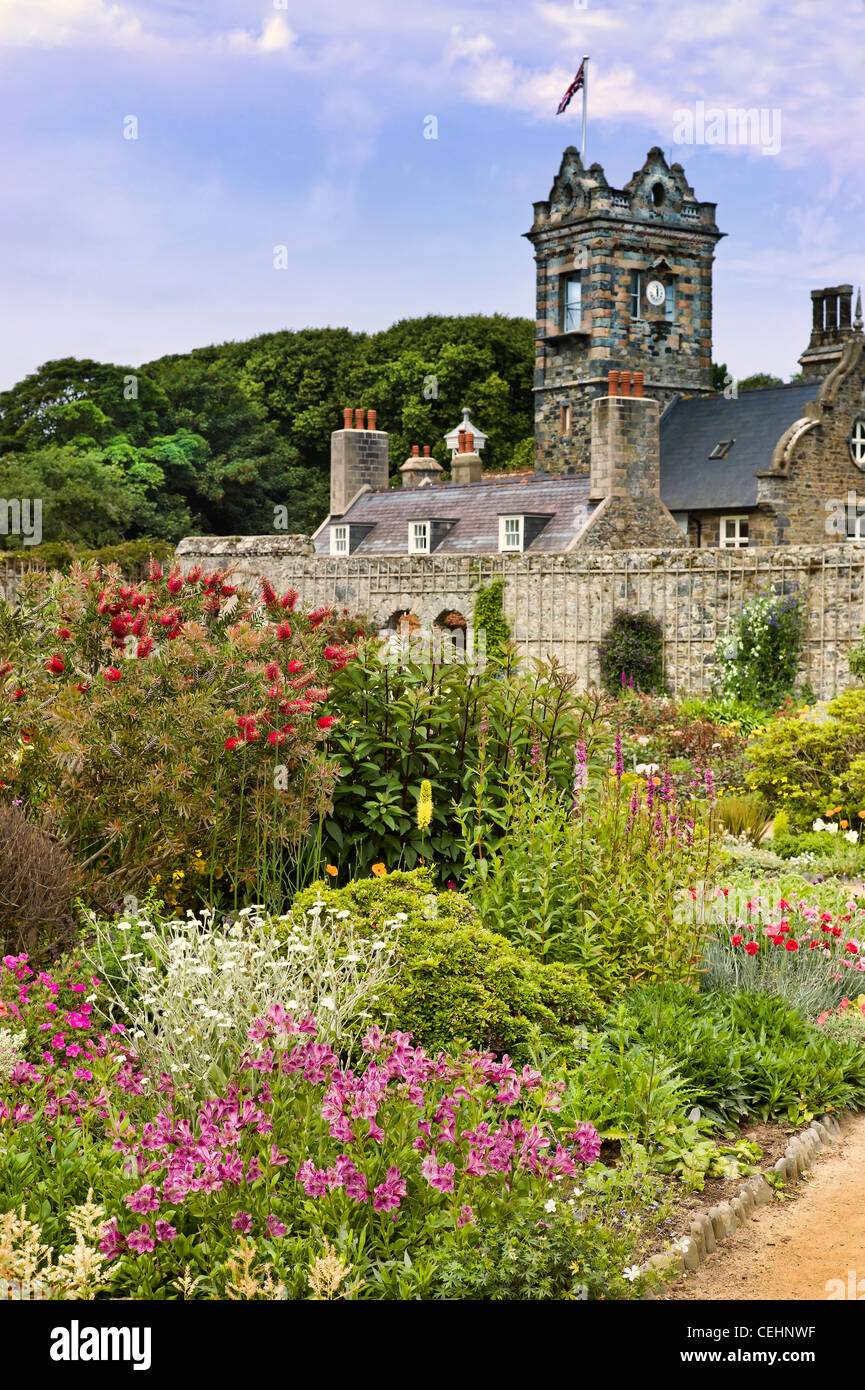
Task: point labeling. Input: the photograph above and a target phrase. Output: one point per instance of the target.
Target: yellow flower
(424, 806)
(379, 870)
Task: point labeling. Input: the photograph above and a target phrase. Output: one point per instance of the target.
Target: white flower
(631, 1273)
(819, 824)
(833, 829)
(852, 836)
(550, 1205)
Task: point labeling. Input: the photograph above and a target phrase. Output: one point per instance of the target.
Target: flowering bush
(631, 653)
(597, 879)
(758, 659)
(796, 950)
(146, 721)
(385, 1169)
(54, 1013)
(189, 990)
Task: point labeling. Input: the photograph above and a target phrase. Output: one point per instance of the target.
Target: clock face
(656, 293)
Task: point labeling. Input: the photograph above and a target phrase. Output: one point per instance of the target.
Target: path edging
(712, 1227)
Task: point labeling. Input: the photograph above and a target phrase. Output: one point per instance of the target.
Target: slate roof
(475, 507)
(690, 480)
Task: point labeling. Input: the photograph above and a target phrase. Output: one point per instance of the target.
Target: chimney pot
(426, 451)
(612, 383)
(461, 442)
(415, 450)
(625, 384)
(371, 419)
(638, 384)
(358, 419)
(470, 442)
(346, 416)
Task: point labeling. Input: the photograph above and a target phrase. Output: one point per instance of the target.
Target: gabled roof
(690, 429)
(475, 508)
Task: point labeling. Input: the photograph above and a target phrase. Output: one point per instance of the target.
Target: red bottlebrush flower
(283, 632)
(154, 571)
(332, 653)
(268, 593)
(175, 584)
(144, 648)
(232, 742)
(295, 706)
(64, 634)
(316, 618)
(226, 590)
(275, 736)
(752, 948)
(737, 939)
(111, 673)
(56, 664)
(295, 666)
(16, 694)
(246, 721)
(287, 729)
(289, 600)
(139, 627)
(139, 601)
(791, 945)
(85, 685)
(194, 575)
(119, 627)
(325, 721)
(271, 671)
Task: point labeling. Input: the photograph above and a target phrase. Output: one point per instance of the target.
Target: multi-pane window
(734, 532)
(339, 540)
(510, 533)
(418, 537)
(572, 304)
(636, 294)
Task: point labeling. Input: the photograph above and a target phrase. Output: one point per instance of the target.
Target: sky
(154, 154)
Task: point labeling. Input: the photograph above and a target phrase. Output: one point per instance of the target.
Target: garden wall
(560, 605)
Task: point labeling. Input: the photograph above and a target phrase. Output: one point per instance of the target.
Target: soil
(771, 1138)
(791, 1250)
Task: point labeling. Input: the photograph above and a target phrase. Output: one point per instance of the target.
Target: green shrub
(631, 653)
(813, 764)
(459, 984)
(133, 557)
(857, 661)
(758, 658)
(490, 620)
(746, 816)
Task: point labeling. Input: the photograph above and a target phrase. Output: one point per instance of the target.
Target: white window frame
(337, 534)
(670, 302)
(572, 309)
(637, 295)
(419, 537)
(857, 442)
(503, 534)
(736, 541)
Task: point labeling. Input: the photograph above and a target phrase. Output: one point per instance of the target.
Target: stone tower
(603, 256)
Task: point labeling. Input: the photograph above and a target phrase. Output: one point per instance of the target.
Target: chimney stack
(625, 470)
(466, 466)
(831, 329)
(420, 472)
(358, 459)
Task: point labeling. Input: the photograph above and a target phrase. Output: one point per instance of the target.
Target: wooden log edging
(717, 1224)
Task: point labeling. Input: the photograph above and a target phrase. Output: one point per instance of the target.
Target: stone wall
(561, 605)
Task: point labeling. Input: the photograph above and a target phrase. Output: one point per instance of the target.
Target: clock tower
(624, 283)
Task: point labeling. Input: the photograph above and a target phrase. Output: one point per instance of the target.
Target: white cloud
(275, 37)
(64, 23)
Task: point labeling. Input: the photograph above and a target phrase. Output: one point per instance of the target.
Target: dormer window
(418, 538)
(572, 303)
(511, 532)
(339, 540)
(721, 449)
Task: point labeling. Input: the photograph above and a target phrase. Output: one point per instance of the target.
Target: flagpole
(585, 102)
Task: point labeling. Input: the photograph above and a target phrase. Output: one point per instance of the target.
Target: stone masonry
(616, 241)
(560, 605)
(359, 458)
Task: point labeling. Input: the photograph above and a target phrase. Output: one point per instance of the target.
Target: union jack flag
(574, 87)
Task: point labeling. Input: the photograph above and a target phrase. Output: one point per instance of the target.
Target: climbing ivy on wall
(490, 619)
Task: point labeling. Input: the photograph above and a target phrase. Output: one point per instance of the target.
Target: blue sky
(279, 122)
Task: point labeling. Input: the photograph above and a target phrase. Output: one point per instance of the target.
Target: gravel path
(792, 1250)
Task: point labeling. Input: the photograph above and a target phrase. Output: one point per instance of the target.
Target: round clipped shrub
(455, 982)
(631, 653)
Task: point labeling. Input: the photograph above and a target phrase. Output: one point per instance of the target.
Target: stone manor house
(633, 446)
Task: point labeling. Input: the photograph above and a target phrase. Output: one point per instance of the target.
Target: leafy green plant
(744, 816)
(460, 729)
(490, 620)
(631, 653)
